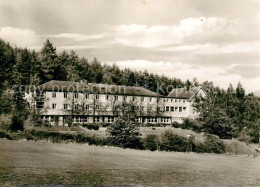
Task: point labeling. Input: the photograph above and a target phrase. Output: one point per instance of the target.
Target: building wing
(69, 86)
(185, 93)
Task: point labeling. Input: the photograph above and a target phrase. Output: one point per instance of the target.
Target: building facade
(63, 102)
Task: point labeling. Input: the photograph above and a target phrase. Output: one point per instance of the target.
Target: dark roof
(184, 93)
(69, 86)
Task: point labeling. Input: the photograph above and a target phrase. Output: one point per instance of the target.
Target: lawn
(23, 162)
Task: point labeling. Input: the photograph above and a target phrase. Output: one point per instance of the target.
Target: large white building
(62, 102)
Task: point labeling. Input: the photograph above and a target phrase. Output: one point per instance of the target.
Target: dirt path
(47, 163)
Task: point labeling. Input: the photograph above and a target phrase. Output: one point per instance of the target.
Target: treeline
(20, 66)
(228, 113)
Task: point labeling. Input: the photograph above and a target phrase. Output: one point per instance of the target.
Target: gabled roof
(184, 93)
(69, 86)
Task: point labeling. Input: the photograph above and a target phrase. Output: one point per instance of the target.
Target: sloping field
(24, 162)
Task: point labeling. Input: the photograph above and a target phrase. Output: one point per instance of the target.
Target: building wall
(172, 109)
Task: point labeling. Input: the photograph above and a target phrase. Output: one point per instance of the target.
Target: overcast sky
(215, 40)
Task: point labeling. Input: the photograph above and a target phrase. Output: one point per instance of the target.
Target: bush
(176, 124)
(91, 126)
(124, 134)
(57, 137)
(150, 142)
(5, 121)
(154, 125)
(5, 135)
(191, 124)
(173, 142)
(212, 144)
(17, 123)
(105, 124)
(91, 140)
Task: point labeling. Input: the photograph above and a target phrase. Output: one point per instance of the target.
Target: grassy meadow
(25, 162)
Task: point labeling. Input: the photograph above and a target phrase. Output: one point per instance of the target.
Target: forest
(226, 113)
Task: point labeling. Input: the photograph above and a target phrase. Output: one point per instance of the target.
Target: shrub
(46, 123)
(154, 125)
(150, 142)
(105, 124)
(124, 134)
(17, 123)
(173, 142)
(57, 137)
(176, 124)
(5, 135)
(191, 124)
(91, 140)
(91, 126)
(5, 121)
(212, 144)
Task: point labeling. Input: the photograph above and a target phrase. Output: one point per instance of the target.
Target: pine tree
(48, 57)
(240, 92)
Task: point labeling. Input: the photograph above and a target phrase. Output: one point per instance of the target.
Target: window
(151, 120)
(107, 97)
(76, 95)
(165, 120)
(84, 119)
(172, 108)
(184, 100)
(142, 98)
(171, 100)
(167, 108)
(175, 100)
(96, 119)
(165, 100)
(97, 106)
(65, 95)
(97, 96)
(87, 96)
(184, 108)
(116, 97)
(65, 106)
(110, 119)
(77, 119)
(134, 98)
(53, 94)
(179, 100)
(54, 105)
(180, 109)
(150, 99)
(125, 97)
(87, 107)
(76, 106)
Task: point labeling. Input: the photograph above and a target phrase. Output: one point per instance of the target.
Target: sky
(215, 40)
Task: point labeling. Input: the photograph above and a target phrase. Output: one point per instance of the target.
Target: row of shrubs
(56, 137)
(91, 126)
(193, 125)
(172, 142)
(167, 142)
